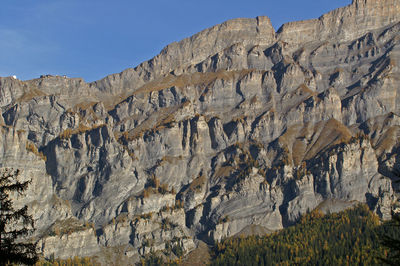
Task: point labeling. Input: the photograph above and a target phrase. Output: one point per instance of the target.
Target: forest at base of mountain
(350, 237)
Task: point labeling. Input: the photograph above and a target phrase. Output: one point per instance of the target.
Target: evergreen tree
(14, 224)
(393, 243)
(349, 237)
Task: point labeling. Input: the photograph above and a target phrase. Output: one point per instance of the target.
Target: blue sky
(94, 38)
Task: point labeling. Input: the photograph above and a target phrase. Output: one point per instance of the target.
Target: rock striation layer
(236, 127)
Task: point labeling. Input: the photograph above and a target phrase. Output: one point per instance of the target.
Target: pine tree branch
(18, 221)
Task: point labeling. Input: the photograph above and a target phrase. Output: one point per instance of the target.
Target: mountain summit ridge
(346, 23)
(351, 21)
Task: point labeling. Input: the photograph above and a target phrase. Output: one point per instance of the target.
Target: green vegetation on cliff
(351, 237)
(76, 261)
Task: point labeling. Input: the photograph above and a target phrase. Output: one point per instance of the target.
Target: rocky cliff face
(236, 126)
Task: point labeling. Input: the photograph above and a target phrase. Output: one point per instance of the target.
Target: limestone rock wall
(234, 127)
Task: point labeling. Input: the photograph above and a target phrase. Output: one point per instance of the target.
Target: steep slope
(234, 126)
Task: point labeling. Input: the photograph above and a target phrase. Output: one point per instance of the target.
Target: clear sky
(94, 38)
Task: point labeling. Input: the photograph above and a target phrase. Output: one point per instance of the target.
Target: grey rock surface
(232, 129)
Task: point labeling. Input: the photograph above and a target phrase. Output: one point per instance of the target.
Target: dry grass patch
(197, 183)
(69, 226)
(164, 118)
(67, 133)
(199, 256)
(387, 140)
(172, 159)
(154, 186)
(32, 148)
(193, 79)
(84, 105)
(332, 133)
(224, 171)
(303, 142)
(29, 95)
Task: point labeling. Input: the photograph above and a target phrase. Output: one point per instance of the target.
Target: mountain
(234, 128)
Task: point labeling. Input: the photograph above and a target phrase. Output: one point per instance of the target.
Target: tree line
(351, 237)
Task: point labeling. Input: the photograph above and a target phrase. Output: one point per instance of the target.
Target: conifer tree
(393, 243)
(14, 224)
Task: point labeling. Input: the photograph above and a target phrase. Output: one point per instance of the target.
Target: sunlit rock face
(236, 126)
